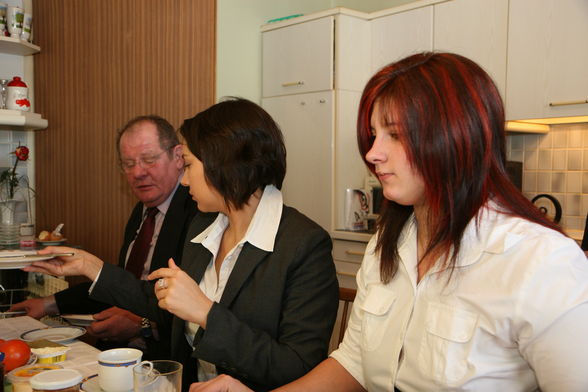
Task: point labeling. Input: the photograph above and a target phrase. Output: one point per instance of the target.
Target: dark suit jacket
(170, 243)
(276, 315)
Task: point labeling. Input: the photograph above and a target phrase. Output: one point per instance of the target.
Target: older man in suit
(151, 158)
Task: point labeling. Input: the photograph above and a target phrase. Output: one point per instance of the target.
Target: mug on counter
(115, 368)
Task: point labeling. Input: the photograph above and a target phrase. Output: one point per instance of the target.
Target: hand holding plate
(79, 263)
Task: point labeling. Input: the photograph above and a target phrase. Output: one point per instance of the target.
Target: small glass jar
(20, 377)
(62, 380)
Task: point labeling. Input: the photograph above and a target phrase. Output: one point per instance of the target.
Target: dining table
(81, 356)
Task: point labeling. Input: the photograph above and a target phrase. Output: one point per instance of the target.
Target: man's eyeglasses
(146, 162)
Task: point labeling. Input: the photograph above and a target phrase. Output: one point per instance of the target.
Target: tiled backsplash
(556, 163)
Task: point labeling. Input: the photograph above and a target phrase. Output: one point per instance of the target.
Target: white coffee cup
(115, 368)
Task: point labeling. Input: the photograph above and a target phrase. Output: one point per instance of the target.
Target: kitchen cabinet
(476, 29)
(414, 26)
(298, 59)
(547, 59)
(306, 121)
(318, 126)
(348, 256)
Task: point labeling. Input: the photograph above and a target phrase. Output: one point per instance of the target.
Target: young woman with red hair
(466, 285)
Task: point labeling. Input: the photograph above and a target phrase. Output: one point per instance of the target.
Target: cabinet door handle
(354, 253)
(565, 103)
(290, 84)
(345, 274)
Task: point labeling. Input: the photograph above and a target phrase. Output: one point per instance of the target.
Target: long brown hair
(450, 119)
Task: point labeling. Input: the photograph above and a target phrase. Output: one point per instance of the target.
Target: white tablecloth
(81, 356)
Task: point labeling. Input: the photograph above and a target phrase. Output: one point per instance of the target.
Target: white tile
(530, 181)
(544, 182)
(575, 138)
(517, 156)
(516, 142)
(560, 159)
(560, 139)
(585, 182)
(585, 159)
(531, 142)
(545, 160)
(5, 158)
(561, 199)
(574, 182)
(558, 182)
(530, 162)
(584, 205)
(529, 195)
(585, 135)
(573, 204)
(575, 160)
(545, 141)
(574, 223)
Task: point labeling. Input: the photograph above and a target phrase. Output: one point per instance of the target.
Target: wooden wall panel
(101, 63)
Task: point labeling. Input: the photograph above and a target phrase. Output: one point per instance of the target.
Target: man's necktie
(138, 256)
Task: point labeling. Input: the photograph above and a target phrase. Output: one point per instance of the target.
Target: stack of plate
(9, 234)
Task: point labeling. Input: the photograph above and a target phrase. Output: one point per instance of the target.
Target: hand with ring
(161, 283)
(179, 294)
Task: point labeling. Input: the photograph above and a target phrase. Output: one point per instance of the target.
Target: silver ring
(161, 283)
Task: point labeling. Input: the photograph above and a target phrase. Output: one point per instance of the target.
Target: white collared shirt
(513, 316)
(261, 233)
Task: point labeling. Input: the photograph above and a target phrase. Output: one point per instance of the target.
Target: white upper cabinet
(306, 121)
(476, 29)
(548, 59)
(352, 53)
(399, 35)
(298, 58)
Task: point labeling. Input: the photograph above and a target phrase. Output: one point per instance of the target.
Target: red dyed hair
(449, 116)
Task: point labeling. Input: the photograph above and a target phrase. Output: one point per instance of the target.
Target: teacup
(115, 368)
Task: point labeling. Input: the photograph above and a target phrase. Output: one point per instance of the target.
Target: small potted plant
(9, 184)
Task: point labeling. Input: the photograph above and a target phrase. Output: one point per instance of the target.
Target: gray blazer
(275, 318)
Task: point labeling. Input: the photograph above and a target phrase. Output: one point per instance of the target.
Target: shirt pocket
(447, 343)
(376, 308)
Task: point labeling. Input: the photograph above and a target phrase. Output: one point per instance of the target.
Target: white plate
(55, 334)
(81, 320)
(49, 243)
(20, 261)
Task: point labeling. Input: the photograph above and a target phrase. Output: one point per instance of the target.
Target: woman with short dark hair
(466, 285)
(257, 295)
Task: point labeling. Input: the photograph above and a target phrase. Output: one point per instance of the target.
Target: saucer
(91, 384)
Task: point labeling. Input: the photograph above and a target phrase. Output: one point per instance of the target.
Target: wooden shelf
(17, 119)
(11, 45)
